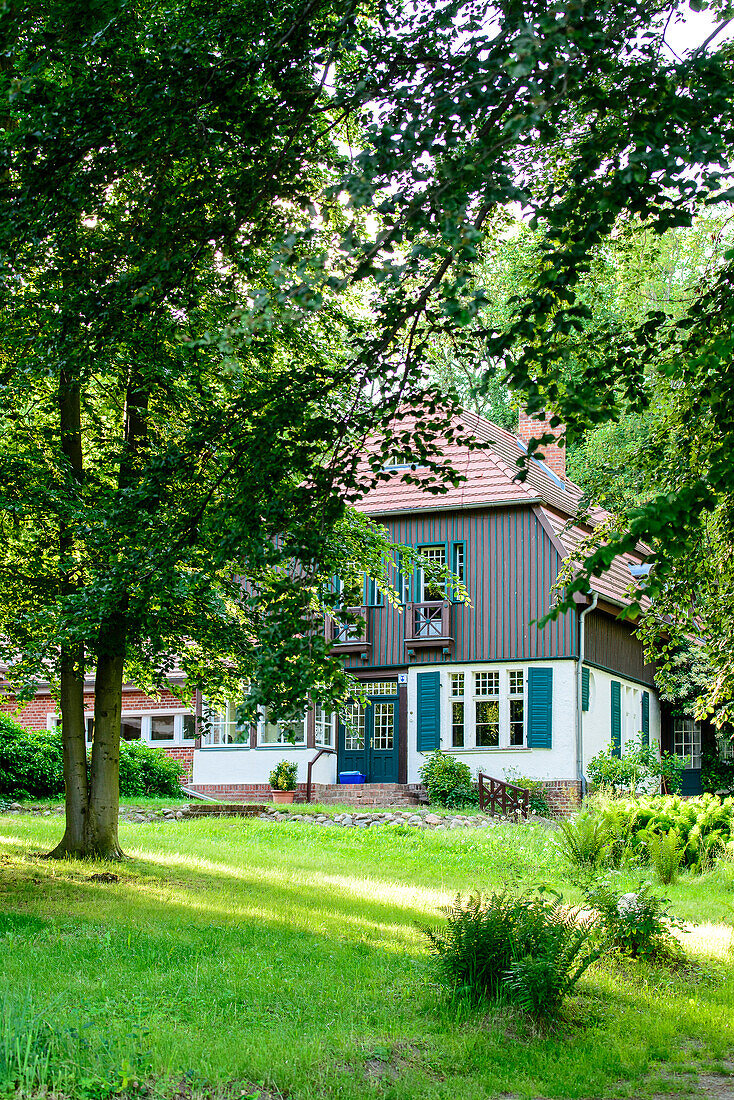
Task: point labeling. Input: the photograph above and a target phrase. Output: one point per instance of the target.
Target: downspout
(579, 693)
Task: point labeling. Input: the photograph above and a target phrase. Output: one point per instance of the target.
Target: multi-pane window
(458, 564)
(292, 732)
(188, 728)
(383, 724)
(158, 729)
(687, 741)
(429, 590)
(226, 726)
(353, 718)
(516, 699)
(324, 727)
(458, 711)
(382, 687)
(487, 709)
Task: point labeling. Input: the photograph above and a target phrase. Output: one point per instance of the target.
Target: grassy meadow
(285, 961)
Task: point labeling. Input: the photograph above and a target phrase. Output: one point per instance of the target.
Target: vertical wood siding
(611, 643)
(511, 565)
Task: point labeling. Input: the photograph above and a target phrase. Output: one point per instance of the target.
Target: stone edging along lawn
(363, 820)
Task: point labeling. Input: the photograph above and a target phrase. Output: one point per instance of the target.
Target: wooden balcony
(428, 626)
(349, 637)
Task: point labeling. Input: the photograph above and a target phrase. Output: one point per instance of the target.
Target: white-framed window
(487, 709)
(458, 709)
(225, 725)
(324, 726)
(157, 727)
(426, 590)
(292, 732)
(687, 741)
(353, 719)
(725, 746)
(516, 707)
(380, 687)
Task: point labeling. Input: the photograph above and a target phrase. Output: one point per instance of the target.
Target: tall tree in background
(230, 238)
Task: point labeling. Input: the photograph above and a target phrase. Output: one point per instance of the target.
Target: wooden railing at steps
(311, 763)
(502, 797)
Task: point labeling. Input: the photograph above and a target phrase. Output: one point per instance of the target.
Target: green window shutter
(646, 718)
(540, 708)
(428, 708)
(584, 689)
(616, 718)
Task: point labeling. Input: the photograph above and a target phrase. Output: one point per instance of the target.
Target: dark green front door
(368, 736)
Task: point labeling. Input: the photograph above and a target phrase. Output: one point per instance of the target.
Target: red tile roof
(490, 478)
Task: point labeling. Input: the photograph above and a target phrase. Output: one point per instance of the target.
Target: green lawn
(288, 957)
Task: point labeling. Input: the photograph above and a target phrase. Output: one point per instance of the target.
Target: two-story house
(481, 680)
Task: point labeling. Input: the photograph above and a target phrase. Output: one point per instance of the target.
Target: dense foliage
(448, 781)
(639, 768)
(614, 832)
(528, 948)
(31, 766)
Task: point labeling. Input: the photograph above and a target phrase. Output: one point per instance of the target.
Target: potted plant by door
(283, 781)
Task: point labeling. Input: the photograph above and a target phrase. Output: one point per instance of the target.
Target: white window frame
(425, 549)
(324, 727)
(146, 716)
(687, 730)
(281, 743)
(470, 698)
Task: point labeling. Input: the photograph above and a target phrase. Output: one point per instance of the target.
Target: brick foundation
(245, 792)
(564, 795)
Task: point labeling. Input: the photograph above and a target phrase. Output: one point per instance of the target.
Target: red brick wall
(529, 428)
(185, 756)
(564, 795)
(244, 792)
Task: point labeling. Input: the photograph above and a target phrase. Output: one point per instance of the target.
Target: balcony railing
(428, 624)
(349, 637)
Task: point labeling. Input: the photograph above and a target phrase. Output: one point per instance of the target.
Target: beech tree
(229, 237)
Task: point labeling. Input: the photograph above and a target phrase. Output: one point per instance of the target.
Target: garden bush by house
(528, 948)
(448, 781)
(716, 774)
(639, 769)
(31, 766)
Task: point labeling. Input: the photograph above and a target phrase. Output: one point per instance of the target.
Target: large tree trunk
(73, 732)
(73, 842)
(104, 780)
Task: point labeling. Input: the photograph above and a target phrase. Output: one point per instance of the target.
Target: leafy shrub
(147, 771)
(666, 855)
(283, 776)
(32, 766)
(448, 781)
(635, 924)
(584, 840)
(638, 769)
(525, 948)
(31, 761)
(538, 802)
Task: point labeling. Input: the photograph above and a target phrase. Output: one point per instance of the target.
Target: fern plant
(666, 855)
(584, 841)
(527, 948)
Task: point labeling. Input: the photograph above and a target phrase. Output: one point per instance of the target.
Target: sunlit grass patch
(242, 951)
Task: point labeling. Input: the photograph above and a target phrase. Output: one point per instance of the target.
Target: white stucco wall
(236, 764)
(597, 720)
(557, 762)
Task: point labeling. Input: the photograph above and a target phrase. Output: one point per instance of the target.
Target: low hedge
(32, 766)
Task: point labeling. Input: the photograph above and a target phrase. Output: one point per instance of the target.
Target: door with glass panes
(368, 735)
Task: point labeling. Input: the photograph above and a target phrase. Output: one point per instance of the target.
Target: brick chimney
(533, 427)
